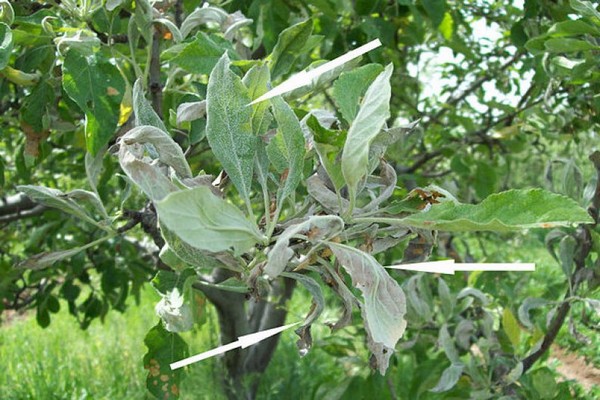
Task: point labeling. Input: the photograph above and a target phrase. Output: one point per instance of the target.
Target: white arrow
(304, 78)
(449, 267)
(243, 342)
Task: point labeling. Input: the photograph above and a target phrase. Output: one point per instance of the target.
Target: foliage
(325, 186)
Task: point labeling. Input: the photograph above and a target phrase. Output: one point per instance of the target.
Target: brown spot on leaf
(33, 139)
(111, 91)
(164, 377)
(175, 389)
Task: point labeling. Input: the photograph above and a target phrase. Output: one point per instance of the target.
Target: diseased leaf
(287, 146)
(150, 179)
(316, 229)
(323, 195)
(143, 111)
(317, 307)
(93, 168)
(527, 305)
(174, 308)
(328, 144)
(502, 212)
(374, 111)
(191, 111)
(476, 293)
(207, 222)
(447, 344)
(54, 198)
(351, 86)
(449, 378)
(385, 303)
(229, 126)
(175, 32)
(167, 150)
(288, 47)
(202, 16)
(164, 348)
(97, 87)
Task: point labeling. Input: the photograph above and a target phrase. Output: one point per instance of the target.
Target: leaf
(585, 8)
(447, 343)
(374, 111)
(47, 259)
(446, 27)
(53, 198)
(317, 307)
(566, 45)
(37, 106)
(229, 126)
(168, 151)
(316, 229)
(351, 86)
(93, 168)
(385, 303)
(202, 16)
(511, 327)
(191, 111)
(177, 37)
(476, 293)
(572, 28)
(174, 308)
(502, 212)
(6, 44)
(257, 80)
(143, 111)
(288, 146)
(164, 348)
(149, 178)
(449, 378)
(207, 222)
(527, 305)
(201, 55)
(447, 302)
(323, 195)
(288, 47)
(436, 10)
(97, 87)
(387, 184)
(566, 249)
(328, 144)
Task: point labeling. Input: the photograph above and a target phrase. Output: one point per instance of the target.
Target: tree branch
(154, 77)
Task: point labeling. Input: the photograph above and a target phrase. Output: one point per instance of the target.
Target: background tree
(514, 96)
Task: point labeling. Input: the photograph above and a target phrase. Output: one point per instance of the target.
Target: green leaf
(572, 28)
(566, 45)
(164, 348)
(374, 111)
(449, 378)
(316, 229)
(485, 180)
(328, 144)
(207, 222)
(436, 10)
(97, 87)
(351, 86)
(229, 126)
(35, 106)
(586, 8)
(288, 47)
(257, 80)
(511, 327)
(201, 55)
(502, 212)
(446, 27)
(287, 146)
(143, 111)
(385, 303)
(6, 44)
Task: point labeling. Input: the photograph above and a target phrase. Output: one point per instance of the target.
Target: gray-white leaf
(449, 378)
(385, 303)
(316, 229)
(529, 304)
(191, 111)
(207, 222)
(202, 16)
(476, 293)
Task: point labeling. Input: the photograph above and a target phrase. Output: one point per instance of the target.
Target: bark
(244, 367)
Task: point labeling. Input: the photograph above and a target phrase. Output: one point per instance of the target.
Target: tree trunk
(244, 367)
